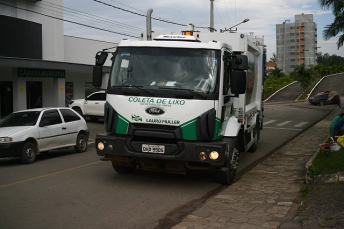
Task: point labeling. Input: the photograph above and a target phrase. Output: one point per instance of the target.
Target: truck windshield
(163, 68)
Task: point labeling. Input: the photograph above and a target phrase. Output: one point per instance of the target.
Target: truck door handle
(64, 128)
(96, 103)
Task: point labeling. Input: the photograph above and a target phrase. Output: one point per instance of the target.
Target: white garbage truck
(182, 101)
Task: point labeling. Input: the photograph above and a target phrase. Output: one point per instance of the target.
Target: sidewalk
(265, 196)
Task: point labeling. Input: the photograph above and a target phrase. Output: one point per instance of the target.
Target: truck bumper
(187, 151)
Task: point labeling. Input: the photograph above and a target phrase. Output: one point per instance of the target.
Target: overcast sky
(263, 15)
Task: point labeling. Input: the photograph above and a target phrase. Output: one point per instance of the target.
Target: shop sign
(36, 72)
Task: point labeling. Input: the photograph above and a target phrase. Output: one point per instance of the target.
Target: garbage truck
(182, 101)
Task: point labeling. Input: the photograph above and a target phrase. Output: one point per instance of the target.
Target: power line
(88, 19)
(142, 15)
(219, 15)
(83, 14)
(68, 20)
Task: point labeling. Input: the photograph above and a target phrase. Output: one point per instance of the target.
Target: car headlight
(6, 139)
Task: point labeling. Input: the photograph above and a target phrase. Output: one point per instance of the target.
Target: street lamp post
(230, 29)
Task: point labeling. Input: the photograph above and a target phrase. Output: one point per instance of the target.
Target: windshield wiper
(134, 86)
(202, 94)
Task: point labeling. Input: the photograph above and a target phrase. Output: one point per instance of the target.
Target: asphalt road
(64, 189)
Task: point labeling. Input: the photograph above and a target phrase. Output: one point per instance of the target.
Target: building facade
(39, 65)
(296, 43)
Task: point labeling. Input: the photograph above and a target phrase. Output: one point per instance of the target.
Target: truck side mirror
(98, 68)
(239, 62)
(101, 58)
(238, 82)
(97, 76)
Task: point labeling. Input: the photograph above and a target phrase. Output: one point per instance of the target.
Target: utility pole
(211, 15)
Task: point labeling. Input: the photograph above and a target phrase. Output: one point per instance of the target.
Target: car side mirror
(44, 123)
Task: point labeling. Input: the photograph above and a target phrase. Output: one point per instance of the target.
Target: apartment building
(296, 43)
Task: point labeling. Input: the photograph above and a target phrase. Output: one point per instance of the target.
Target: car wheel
(125, 169)
(321, 103)
(78, 110)
(81, 143)
(28, 154)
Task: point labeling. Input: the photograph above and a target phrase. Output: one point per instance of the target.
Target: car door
(91, 104)
(73, 123)
(51, 130)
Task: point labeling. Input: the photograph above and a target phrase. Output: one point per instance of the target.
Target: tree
(303, 76)
(337, 26)
(277, 73)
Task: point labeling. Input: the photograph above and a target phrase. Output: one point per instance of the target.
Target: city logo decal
(136, 118)
(155, 111)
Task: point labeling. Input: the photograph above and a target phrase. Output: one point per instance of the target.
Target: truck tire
(125, 169)
(81, 143)
(28, 154)
(226, 175)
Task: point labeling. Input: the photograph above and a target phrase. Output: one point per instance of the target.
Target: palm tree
(337, 26)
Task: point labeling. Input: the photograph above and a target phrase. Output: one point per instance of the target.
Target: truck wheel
(28, 154)
(125, 169)
(226, 175)
(81, 143)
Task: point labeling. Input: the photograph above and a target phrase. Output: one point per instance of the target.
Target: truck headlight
(100, 146)
(6, 139)
(214, 155)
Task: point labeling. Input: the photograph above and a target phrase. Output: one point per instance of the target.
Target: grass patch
(327, 165)
(304, 190)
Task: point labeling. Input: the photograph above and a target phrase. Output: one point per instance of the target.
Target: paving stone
(264, 197)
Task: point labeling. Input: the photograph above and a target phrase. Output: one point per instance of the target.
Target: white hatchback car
(26, 133)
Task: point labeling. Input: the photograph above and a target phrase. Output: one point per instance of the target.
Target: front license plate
(153, 148)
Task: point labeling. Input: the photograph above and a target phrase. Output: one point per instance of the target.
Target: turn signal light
(202, 156)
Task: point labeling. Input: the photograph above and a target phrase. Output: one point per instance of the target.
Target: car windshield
(163, 68)
(25, 118)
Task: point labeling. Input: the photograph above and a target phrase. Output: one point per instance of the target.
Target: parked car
(320, 99)
(92, 106)
(27, 133)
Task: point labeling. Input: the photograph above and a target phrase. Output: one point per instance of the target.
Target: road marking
(276, 128)
(283, 123)
(301, 124)
(268, 122)
(50, 174)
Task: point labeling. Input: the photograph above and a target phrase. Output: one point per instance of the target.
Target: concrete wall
(83, 51)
